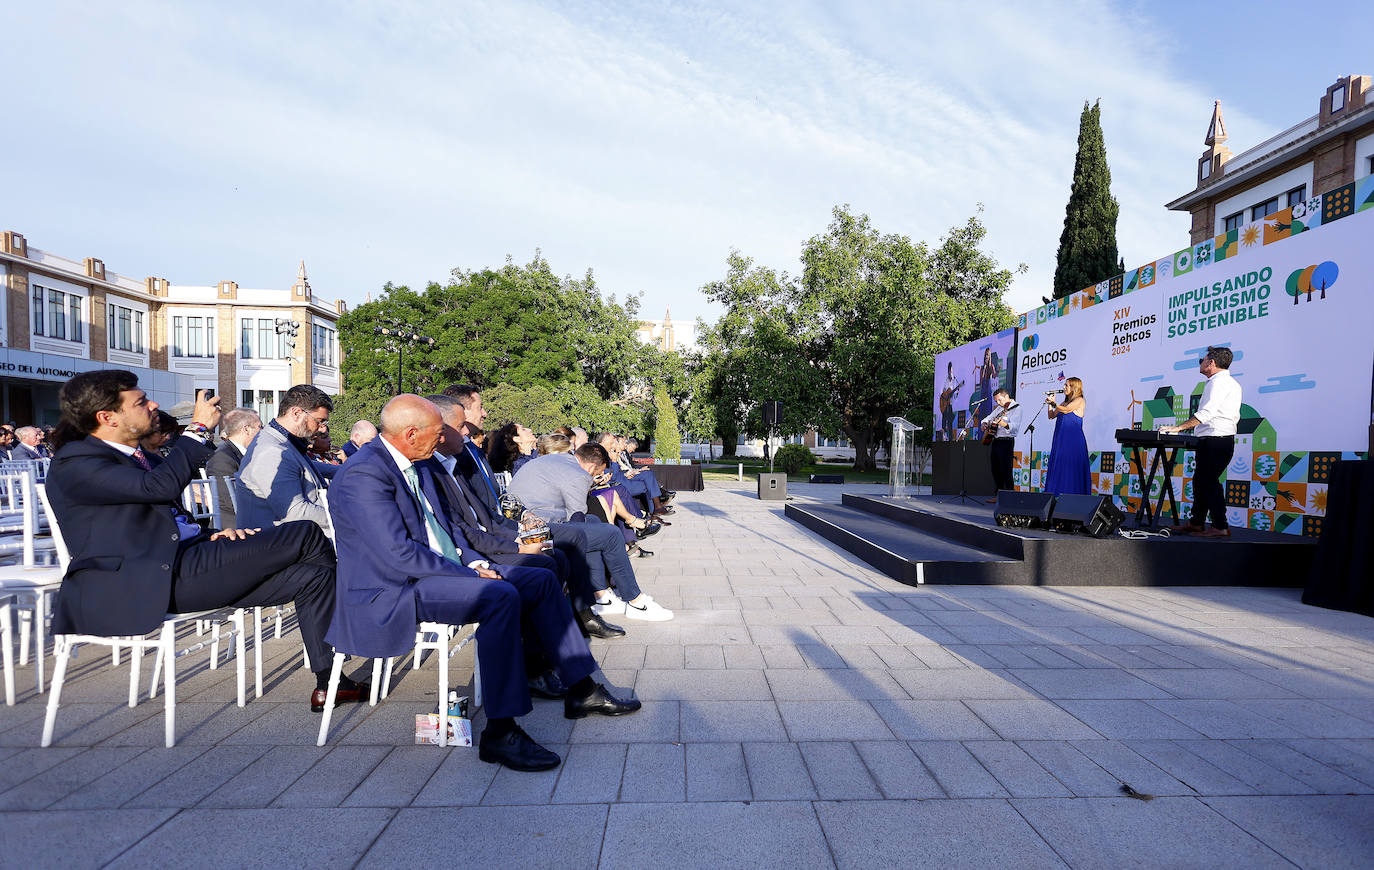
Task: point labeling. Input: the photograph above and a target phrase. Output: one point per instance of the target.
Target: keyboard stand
(1165, 456)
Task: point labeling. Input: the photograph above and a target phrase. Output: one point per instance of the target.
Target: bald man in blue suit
(402, 560)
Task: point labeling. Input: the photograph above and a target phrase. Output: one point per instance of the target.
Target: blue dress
(1068, 474)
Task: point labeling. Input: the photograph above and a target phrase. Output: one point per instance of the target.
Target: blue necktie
(481, 461)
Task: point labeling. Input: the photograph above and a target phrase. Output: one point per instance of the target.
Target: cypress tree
(667, 439)
(1087, 247)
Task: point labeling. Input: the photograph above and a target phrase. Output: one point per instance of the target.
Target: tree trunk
(863, 455)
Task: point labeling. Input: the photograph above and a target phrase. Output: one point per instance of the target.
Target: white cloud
(386, 141)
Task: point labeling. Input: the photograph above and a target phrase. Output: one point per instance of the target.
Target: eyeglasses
(1204, 360)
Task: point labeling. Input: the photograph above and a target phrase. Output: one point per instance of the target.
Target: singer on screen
(1068, 472)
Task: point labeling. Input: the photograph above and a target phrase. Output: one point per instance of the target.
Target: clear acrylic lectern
(904, 473)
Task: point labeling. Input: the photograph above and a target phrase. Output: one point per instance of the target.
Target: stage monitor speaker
(772, 414)
(1094, 515)
(1024, 510)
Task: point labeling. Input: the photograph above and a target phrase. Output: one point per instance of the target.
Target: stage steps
(941, 540)
(902, 552)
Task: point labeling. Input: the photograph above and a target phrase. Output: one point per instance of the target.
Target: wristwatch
(199, 430)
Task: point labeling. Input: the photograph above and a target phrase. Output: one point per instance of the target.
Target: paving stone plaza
(801, 711)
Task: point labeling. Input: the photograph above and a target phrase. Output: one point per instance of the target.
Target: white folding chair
(503, 481)
(435, 636)
(164, 643)
(29, 585)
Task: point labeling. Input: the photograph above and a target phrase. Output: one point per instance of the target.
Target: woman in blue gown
(1068, 473)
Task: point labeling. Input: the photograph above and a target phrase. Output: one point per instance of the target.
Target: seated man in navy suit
(403, 560)
(136, 556)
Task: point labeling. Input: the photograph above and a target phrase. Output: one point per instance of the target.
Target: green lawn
(729, 470)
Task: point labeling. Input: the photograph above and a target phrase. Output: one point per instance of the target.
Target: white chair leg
(442, 653)
(135, 665)
(157, 671)
(333, 692)
(386, 676)
(167, 647)
(214, 645)
(257, 649)
(7, 638)
(114, 655)
(476, 678)
(305, 657)
(376, 681)
(59, 673)
(240, 653)
(40, 637)
(278, 630)
(25, 629)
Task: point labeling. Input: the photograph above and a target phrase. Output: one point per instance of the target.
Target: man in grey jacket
(277, 481)
(239, 427)
(555, 486)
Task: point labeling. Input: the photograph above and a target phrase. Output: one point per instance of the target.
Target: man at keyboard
(1214, 422)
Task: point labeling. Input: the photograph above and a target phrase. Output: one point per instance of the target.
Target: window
(267, 406)
(258, 339)
(125, 328)
(1337, 99)
(1297, 195)
(1371, 164)
(1264, 209)
(194, 336)
(1233, 221)
(57, 314)
(322, 345)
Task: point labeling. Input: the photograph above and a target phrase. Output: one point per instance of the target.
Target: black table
(1343, 571)
(677, 477)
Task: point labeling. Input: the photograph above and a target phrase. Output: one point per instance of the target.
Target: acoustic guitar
(947, 396)
(990, 426)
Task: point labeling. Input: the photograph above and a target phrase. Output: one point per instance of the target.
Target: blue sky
(393, 141)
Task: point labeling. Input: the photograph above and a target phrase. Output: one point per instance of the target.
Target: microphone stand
(1030, 430)
(963, 495)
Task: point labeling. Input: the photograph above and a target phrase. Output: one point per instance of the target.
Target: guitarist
(1002, 426)
(951, 390)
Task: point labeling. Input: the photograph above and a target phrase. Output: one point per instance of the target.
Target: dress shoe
(665, 510)
(660, 520)
(517, 751)
(640, 553)
(595, 626)
(599, 701)
(649, 529)
(348, 692)
(1185, 529)
(666, 495)
(548, 686)
(1213, 533)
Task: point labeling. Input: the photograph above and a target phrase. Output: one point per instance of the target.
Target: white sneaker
(615, 605)
(648, 610)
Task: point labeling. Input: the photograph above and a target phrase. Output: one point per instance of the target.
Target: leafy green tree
(553, 350)
(1087, 246)
(667, 440)
(852, 340)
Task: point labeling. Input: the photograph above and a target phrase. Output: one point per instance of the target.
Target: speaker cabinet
(1094, 515)
(1024, 510)
(772, 414)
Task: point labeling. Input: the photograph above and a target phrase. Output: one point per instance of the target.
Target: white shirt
(1219, 410)
(402, 463)
(450, 463)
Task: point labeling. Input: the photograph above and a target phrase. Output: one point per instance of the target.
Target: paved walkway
(802, 711)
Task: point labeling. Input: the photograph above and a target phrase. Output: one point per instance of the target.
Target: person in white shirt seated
(1214, 422)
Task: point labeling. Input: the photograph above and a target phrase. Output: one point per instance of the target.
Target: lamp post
(288, 328)
(402, 336)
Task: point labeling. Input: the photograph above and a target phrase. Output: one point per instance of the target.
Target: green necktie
(445, 541)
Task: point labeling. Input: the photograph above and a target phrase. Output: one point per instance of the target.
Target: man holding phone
(136, 556)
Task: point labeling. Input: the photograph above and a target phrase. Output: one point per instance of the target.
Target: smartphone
(208, 392)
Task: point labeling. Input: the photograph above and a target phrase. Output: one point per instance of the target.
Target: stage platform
(937, 539)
